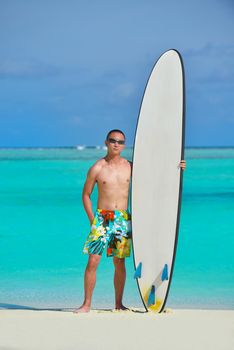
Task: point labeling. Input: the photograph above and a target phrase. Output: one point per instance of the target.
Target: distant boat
(80, 147)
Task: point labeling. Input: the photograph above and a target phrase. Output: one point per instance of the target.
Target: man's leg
(119, 281)
(89, 282)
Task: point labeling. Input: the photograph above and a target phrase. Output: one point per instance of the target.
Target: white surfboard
(157, 179)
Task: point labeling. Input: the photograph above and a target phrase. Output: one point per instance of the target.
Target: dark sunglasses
(120, 142)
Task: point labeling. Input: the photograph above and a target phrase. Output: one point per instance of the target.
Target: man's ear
(105, 142)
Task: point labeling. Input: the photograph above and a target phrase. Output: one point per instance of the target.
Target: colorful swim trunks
(111, 229)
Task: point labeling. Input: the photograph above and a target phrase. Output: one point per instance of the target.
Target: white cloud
(27, 69)
(122, 92)
(210, 64)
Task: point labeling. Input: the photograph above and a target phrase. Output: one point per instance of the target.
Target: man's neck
(112, 158)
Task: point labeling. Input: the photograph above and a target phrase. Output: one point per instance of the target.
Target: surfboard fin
(151, 299)
(137, 273)
(165, 273)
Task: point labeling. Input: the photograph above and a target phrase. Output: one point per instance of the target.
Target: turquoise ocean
(43, 227)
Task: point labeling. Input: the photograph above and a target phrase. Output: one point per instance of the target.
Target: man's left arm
(130, 162)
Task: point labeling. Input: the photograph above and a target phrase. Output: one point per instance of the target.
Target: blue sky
(71, 70)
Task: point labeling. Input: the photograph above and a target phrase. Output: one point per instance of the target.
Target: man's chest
(114, 176)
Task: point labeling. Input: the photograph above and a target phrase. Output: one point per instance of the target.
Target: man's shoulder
(126, 162)
(129, 162)
(96, 167)
(99, 163)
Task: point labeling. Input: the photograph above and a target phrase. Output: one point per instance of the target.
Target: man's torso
(113, 182)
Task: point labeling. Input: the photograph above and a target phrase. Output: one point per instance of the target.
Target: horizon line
(96, 147)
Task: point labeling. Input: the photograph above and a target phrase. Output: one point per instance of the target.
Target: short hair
(115, 130)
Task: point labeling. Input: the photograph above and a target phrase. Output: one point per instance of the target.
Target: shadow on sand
(5, 306)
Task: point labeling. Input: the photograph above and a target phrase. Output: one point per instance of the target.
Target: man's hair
(114, 130)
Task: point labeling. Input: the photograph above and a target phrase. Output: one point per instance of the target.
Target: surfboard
(157, 179)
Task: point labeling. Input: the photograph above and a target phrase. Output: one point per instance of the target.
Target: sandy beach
(106, 329)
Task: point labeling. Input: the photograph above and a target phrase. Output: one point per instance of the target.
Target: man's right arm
(88, 189)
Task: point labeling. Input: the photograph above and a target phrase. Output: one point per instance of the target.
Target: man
(111, 222)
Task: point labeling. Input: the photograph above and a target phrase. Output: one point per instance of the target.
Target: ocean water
(43, 228)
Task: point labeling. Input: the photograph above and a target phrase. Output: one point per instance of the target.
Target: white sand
(60, 330)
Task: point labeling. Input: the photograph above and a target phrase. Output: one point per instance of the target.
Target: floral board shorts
(111, 229)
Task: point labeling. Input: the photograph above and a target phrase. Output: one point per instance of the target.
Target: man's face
(113, 146)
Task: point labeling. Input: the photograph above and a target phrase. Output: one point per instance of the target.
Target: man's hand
(182, 164)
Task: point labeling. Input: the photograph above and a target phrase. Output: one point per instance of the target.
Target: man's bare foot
(82, 309)
(121, 307)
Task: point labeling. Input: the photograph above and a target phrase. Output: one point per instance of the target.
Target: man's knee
(119, 262)
(93, 262)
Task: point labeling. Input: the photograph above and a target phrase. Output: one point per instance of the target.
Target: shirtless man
(111, 222)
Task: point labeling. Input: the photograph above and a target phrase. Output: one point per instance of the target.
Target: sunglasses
(120, 142)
